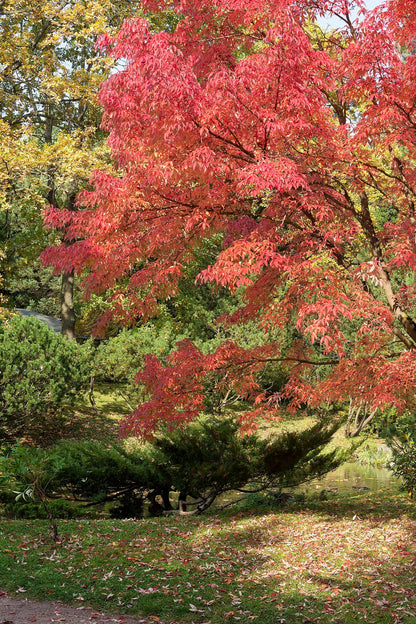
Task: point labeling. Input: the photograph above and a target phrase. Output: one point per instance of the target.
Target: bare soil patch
(13, 611)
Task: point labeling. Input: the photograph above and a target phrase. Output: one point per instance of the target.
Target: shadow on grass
(377, 588)
(112, 402)
(114, 398)
(84, 422)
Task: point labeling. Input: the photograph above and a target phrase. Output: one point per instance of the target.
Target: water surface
(353, 475)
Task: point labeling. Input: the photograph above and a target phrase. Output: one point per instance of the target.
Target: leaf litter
(297, 566)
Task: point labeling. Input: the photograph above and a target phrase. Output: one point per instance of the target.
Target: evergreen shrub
(41, 373)
(210, 456)
(120, 358)
(89, 472)
(401, 437)
(202, 460)
(207, 456)
(60, 508)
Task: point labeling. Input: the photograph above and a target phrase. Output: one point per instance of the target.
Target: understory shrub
(210, 456)
(59, 508)
(41, 373)
(120, 358)
(401, 437)
(89, 472)
(207, 457)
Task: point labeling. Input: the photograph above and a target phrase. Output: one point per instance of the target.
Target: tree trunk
(67, 281)
(359, 416)
(67, 305)
(67, 290)
(407, 322)
(166, 500)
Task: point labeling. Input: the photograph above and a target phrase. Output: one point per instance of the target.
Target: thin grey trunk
(67, 279)
(67, 305)
(406, 321)
(67, 293)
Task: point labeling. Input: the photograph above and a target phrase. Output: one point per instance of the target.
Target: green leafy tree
(119, 358)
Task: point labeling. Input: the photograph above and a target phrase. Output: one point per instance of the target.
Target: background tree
(50, 72)
(290, 140)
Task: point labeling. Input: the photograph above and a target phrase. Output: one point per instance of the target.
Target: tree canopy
(298, 144)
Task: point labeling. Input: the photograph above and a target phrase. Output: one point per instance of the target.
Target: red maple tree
(299, 143)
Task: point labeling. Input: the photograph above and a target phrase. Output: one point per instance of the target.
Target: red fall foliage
(299, 143)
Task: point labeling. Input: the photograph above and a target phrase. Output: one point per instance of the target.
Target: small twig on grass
(126, 400)
(91, 394)
(230, 503)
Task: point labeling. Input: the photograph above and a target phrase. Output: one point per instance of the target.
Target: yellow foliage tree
(50, 137)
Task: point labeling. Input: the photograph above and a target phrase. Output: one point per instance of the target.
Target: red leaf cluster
(300, 144)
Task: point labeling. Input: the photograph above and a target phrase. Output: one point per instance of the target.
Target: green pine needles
(40, 374)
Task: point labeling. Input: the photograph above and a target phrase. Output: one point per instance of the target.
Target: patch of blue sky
(334, 22)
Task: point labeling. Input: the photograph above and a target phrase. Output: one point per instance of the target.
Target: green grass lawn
(348, 559)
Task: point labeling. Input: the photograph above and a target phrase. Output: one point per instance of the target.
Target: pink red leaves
(299, 145)
(177, 389)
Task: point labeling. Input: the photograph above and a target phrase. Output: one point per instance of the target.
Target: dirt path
(14, 611)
